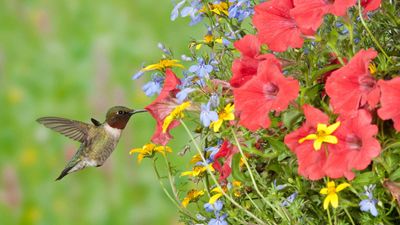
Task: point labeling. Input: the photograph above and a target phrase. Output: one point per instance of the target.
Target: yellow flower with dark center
(177, 113)
(162, 65)
(148, 150)
(198, 171)
(331, 191)
(192, 196)
(208, 39)
(225, 114)
(322, 135)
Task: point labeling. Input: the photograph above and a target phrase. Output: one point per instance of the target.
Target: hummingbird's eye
(120, 112)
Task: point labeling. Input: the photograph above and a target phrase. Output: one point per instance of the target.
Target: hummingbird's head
(118, 116)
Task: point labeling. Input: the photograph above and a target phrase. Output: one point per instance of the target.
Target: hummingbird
(98, 140)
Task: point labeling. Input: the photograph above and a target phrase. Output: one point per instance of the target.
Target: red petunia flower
(309, 14)
(268, 90)
(227, 151)
(390, 101)
(370, 5)
(352, 87)
(356, 147)
(276, 27)
(162, 106)
(244, 68)
(311, 162)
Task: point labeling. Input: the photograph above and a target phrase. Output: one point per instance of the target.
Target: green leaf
(277, 145)
(365, 179)
(395, 176)
(236, 173)
(291, 117)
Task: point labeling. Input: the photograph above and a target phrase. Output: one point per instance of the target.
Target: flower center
(367, 83)
(353, 142)
(271, 90)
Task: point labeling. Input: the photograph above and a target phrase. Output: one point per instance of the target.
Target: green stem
(369, 32)
(348, 214)
(171, 182)
(253, 180)
(251, 200)
(215, 179)
(329, 216)
(168, 194)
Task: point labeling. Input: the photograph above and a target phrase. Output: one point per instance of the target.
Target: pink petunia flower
(311, 162)
(269, 90)
(162, 106)
(244, 68)
(352, 87)
(356, 147)
(309, 14)
(276, 27)
(390, 101)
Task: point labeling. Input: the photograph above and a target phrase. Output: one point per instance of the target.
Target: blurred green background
(74, 59)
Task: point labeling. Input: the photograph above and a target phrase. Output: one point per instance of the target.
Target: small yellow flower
(198, 171)
(225, 114)
(148, 150)
(177, 113)
(323, 135)
(220, 8)
(331, 191)
(236, 187)
(162, 65)
(196, 158)
(218, 194)
(208, 39)
(192, 196)
(372, 68)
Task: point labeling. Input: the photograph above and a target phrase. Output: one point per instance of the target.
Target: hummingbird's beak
(137, 111)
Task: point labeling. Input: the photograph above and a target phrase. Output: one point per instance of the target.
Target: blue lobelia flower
(240, 9)
(214, 101)
(175, 11)
(183, 94)
(289, 200)
(193, 12)
(219, 220)
(202, 69)
(280, 186)
(369, 204)
(207, 115)
(216, 207)
(154, 86)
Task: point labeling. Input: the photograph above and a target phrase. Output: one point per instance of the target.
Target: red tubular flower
(310, 13)
(352, 87)
(226, 151)
(356, 147)
(390, 101)
(268, 90)
(311, 162)
(162, 106)
(276, 27)
(246, 67)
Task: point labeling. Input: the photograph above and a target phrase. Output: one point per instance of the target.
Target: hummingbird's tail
(64, 173)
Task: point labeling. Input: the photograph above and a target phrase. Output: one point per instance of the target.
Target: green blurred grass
(74, 59)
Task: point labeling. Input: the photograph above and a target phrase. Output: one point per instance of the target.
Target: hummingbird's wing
(73, 129)
(95, 122)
